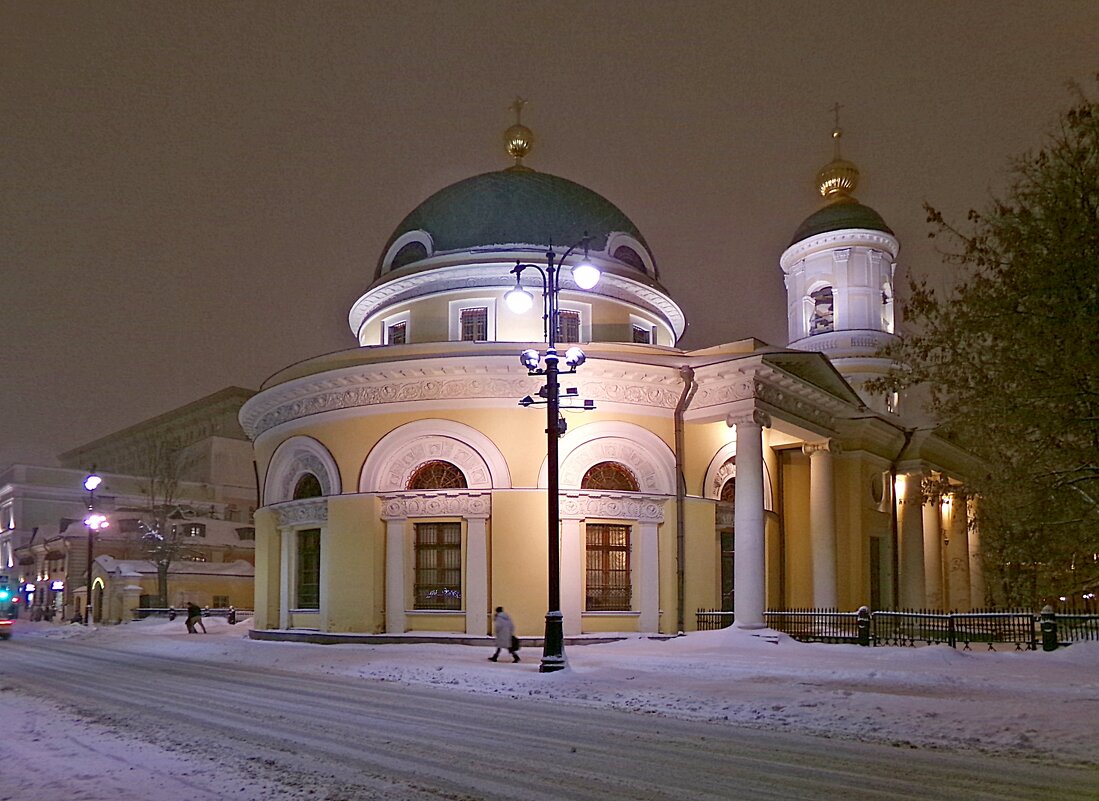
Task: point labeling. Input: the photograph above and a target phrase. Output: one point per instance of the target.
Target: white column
(572, 585)
(933, 553)
(976, 569)
(476, 589)
(910, 525)
(749, 564)
(287, 539)
(394, 576)
(648, 578)
(957, 556)
(822, 522)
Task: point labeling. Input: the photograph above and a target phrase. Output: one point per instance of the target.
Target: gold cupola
(838, 178)
(518, 139)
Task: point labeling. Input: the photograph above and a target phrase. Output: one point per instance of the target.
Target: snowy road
(343, 739)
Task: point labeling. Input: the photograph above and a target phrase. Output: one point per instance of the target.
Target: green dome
(844, 213)
(513, 207)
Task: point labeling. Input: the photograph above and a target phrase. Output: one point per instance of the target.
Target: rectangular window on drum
(608, 568)
(474, 324)
(641, 335)
(309, 569)
(397, 334)
(438, 583)
(568, 326)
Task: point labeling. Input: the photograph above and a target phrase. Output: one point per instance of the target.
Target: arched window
(413, 251)
(821, 319)
(609, 476)
(728, 491)
(308, 486)
(437, 475)
(628, 255)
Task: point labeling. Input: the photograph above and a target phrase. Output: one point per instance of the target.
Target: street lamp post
(519, 300)
(94, 522)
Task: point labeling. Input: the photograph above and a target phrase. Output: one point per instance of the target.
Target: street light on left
(94, 522)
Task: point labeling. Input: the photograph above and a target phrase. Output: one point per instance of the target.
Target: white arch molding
(294, 458)
(399, 453)
(647, 455)
(721, 471)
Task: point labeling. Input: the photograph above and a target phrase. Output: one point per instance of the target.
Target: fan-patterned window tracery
(437, 474)
(308, 486)
(609, 476)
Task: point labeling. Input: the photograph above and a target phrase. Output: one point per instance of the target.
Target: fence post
(862, 625)
(1049, 629)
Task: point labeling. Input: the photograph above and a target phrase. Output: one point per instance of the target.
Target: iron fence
(994, 628)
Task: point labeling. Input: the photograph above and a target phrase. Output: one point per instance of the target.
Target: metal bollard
(862, 625)
(1049, 629)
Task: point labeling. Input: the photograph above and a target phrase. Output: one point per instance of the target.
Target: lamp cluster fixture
(519, 300)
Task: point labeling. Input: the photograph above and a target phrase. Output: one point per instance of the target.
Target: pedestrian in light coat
(505, 635)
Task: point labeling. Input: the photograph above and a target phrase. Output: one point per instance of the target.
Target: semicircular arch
(293, 459)
(723, 467)
(392, 461)
(646, 455)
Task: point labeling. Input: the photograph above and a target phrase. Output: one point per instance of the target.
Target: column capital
(754, 417)
(831, 446)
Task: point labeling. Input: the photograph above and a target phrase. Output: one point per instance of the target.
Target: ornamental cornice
(456, 379)
(441, 503)
(612, 505)
(838, 239)
(296, 513)
(779, 391)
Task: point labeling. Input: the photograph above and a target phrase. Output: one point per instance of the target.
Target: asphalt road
(342, 739)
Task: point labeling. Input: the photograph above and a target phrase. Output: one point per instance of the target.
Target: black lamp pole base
(553, 648)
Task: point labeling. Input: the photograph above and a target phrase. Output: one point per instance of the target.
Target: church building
(403, 482)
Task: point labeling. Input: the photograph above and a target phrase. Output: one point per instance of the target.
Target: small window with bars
(568, 326)
(608, 568)
(397, 334)
(473, 324)
(642, 335)
(438, 583)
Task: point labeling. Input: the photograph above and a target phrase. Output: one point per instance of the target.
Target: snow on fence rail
(908, 627)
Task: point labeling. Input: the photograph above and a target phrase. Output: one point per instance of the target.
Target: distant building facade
(44, 542)
(403, 488)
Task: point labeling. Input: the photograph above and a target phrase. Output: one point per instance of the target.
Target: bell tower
(839, 270)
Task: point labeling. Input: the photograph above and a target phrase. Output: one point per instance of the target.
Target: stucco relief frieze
(730, 389)
(296, 513)
(614, 506)
(724, 516)
(365, 387)
(436, 504)
(399, 468)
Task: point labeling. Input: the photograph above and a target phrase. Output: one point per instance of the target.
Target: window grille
(437, 475)
(610, 476)
(438, 582)
(568, 326)
(397, 334)
(308, 486)
(309, 569)
(474, 324)
(608, 568)
(641, 335)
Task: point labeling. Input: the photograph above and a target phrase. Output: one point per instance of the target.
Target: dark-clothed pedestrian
(504, 629)
(194, 618)
(231, 616)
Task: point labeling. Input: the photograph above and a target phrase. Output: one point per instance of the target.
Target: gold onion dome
(838, 178)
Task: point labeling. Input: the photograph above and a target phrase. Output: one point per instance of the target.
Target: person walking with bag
(505, 635)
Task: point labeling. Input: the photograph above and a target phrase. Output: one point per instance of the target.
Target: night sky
(193, 194)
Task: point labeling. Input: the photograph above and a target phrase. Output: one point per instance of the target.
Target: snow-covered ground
(1027, 704)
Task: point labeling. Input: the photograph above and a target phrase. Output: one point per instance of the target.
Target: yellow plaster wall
(518, 558)
(353, 547)
(609, 623)
(702, 557)
(436, 621)
(268, 555)
(795, 510)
